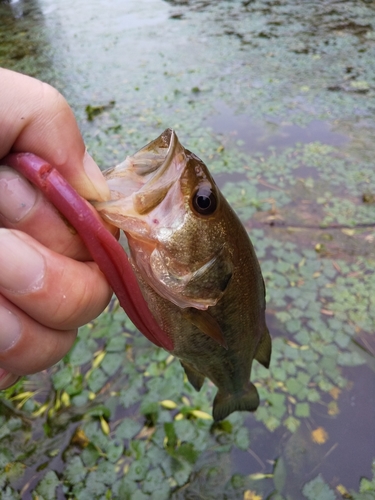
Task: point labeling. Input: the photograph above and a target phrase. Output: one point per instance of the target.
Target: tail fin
(225, 404)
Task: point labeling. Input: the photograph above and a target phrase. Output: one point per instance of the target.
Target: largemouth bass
(196, 267)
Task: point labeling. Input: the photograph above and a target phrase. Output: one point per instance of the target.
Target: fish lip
(169, 154)
(155, 189)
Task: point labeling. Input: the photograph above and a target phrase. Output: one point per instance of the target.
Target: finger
(23, 207)
(54, 290)
(7, 379)
(36, 118)
(27, 347)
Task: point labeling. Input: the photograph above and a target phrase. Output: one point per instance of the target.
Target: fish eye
(204, 201)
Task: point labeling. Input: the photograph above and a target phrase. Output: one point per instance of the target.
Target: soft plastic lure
(102, 245)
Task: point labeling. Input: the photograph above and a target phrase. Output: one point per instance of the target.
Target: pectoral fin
(177, 283)
(263, 353)
(194, 377)
(206, 323)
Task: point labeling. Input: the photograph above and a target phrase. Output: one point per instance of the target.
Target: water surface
(277, 99)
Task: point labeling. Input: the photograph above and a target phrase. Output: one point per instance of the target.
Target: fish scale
(196, 268)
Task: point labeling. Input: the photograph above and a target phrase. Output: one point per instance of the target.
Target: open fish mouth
(142, 181)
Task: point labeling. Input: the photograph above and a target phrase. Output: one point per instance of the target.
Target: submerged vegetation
(277, 98)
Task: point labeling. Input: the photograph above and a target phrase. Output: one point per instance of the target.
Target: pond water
(259, 136)
(278, 99)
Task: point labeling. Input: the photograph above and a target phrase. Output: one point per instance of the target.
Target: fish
(196, 267)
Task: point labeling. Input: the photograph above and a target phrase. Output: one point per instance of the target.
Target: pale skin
(49, 285)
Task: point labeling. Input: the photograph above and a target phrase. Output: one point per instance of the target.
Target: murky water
(277, 98)
(259, 136)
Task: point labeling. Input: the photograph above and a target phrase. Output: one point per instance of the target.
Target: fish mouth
(164, 175)
(141, 183)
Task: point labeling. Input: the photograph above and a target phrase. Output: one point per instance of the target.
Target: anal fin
(263, 352)
(194, 377)
(225, 404)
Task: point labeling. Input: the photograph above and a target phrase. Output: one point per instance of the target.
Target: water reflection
(335, 446)
(17, 7)
(258, 136)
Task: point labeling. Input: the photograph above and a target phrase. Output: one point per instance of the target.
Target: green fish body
(196, 267)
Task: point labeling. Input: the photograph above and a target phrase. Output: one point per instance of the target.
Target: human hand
(49, 285)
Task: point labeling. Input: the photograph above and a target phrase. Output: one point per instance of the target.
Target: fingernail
(22, 267)
(96, 177)
(7, 379)
(17, 196)
(10, 329)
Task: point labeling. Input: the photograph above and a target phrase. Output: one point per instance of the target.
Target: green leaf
(117, 344)
(138, 469)
(181, 471)
(291, 423)
(75, 471)
(99, 411)
(81, 399)
(317, 489)
(302, 410)
(82, 352)
(106, 473)
(139, 495)
(149, 407)
(9, 494)
(242, 439)
(128, 429)
(130, 395)
(114, 452)
(276, 496)
(96, 380)
(187, 451)
(279, 474)
(185, 430)
(47, 486)
(112, 362)
(5, 457)
(156, 454)
(124, 489)
(14, 423)
(90, 455)
(62, 378)
(293, 386)
(350, 359)
(170, 434)
(15, 471)
(95, 485)
(153, 480)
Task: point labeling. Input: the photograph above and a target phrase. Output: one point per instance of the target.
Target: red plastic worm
(102, 245)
